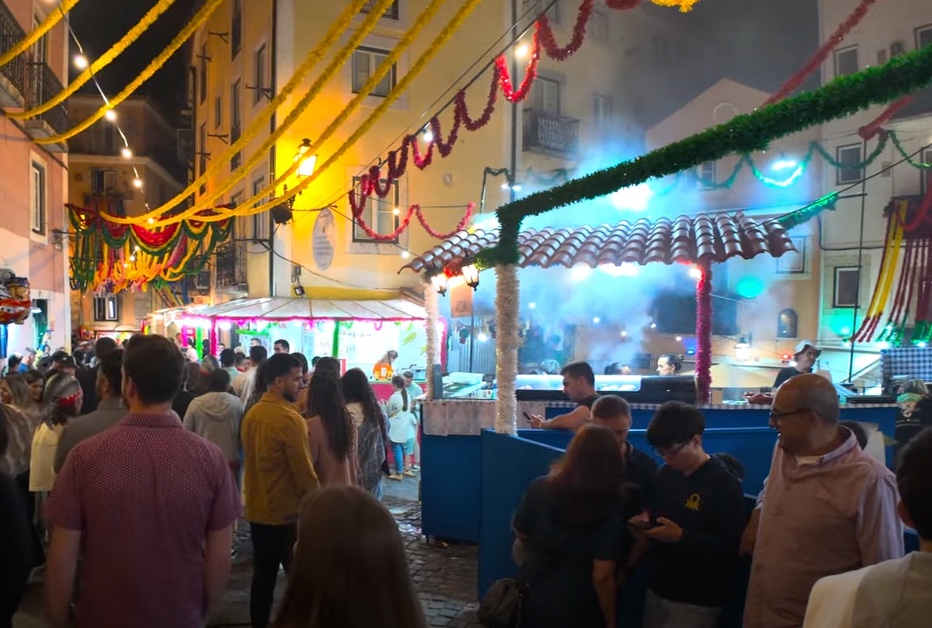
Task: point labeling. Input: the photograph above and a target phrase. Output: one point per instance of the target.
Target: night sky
(758, 42)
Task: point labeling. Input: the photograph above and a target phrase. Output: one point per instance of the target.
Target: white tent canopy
(299, 308)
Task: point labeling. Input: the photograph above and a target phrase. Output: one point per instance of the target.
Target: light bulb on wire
(137, 183)
(427, 135)
(110, 115)
(521, 52)
(80, 61)
(126, 152)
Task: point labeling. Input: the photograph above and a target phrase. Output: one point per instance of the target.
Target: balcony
(231, 267)
(13, 74)
(550, 134)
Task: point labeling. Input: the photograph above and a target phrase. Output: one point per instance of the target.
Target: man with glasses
(694, 524)
(827, 506)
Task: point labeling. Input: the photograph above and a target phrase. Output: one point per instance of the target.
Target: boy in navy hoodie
(694, 525)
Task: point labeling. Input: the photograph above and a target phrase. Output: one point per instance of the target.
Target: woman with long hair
(36, 382)
(349, 567)
(15, 391)
(572, 524)
(259, 388)
(402, 428)
(369, 419)
(331, 433)
(192, 387)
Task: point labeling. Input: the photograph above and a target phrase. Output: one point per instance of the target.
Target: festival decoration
(259, 122)
(744, 133)
(506, 348)
(432, 305)
(53, 18)
(189, 29)
(511, 94)
(15, 302)
(116, 50)
(807, 213)
(685, 6)
(414, 210)
(119, 257)
(704, 333)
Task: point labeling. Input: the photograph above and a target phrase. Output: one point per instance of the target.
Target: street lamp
(307, 161)
(471, 274)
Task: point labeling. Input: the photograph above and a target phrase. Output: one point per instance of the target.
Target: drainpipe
(272, 125)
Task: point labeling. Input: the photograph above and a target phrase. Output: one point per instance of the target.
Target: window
(242, 225)
(236, 28)
(924, 36)
(37, 199)
(218, 111)
(847, 286)
(365, 62)
(39, 49)
(846, 61)
(379, 214)
(202, 78)
(258, 73)
(849, 157)
(390, 13)
(546, 95)
(103, 181)
(598, 27)
(106, 307)
(202, 152)
(260, 222)
(235, 121)
(705, 175)
(787, 324)
(601, 111)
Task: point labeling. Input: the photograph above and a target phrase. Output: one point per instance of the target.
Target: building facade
(103, 173)
(33, 178)
(852, 236)
(248, 51)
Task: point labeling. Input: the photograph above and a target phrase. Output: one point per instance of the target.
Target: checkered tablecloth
(907, 363)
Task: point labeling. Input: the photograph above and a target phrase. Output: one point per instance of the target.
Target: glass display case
(633, 388)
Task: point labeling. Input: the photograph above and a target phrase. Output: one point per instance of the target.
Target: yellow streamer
(685, 5)
(416, 68)
(888, 272)
(115, 51)
(384, 68)
(199, 18)
(53, 18)
(259, 122)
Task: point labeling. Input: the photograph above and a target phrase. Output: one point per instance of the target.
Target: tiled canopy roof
(686, 240)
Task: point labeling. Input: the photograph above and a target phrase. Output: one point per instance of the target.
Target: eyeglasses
(668, 453)
(777, 416)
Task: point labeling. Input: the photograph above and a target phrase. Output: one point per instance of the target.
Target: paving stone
(443, 573)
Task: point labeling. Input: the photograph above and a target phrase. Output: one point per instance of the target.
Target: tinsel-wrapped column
(506, 348)
(704, 333)
(432, 303)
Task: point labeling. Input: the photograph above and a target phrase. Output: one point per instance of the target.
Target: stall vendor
(579, 386)
(383, 370)
(805, 356)
(669, 365)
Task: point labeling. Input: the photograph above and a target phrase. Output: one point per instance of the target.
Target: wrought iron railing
(42, 84)
(550, 133)
(10, 34)
(231, 266)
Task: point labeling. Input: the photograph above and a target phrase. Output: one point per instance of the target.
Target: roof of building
(683, 240)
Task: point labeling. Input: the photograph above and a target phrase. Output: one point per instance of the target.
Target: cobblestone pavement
(445, 574)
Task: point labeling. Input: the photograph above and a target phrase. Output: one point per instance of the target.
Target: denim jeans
(400, 452)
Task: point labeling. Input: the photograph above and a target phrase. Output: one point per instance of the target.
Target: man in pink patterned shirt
(827, 507)
(151, 504)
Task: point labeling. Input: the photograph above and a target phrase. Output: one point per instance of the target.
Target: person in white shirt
(246, 382)
(895, 593)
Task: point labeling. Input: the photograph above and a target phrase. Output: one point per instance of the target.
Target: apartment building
(33, 177)
(853, 235)
(104, 174)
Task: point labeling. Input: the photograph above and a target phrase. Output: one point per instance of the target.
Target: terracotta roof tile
(685, 239)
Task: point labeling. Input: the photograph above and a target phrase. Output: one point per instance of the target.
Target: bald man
(826, 508)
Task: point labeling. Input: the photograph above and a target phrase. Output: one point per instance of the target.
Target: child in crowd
(402, 426)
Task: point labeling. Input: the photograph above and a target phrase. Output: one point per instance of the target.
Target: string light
(81, 62)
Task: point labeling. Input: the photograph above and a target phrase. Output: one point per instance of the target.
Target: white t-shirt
(893, 594)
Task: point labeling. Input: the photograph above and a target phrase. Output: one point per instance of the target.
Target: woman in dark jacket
(572, 525)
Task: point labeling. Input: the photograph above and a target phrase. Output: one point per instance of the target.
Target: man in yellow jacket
(278, 475)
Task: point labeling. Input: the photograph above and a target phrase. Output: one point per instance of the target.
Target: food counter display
(633, 388)
(451, 445)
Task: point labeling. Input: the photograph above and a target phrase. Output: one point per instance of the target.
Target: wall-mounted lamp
(307, 161)
(743, 349)
(471, 274)
(439, 281)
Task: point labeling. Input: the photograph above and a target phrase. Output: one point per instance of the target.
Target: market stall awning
(684, 240)
(296, 308)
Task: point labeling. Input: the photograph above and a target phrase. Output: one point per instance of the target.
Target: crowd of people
(825, 539)
(133, 503)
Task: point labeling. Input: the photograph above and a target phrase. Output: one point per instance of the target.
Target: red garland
(704, 333)
(871, 130)
(511, 94)
(823, 52)
(621, 5)
(414, 210)
(548, 41)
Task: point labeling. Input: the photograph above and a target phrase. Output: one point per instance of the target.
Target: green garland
(810, 211)
(745, 133)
